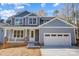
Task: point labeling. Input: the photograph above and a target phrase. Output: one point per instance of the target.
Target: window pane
(30, 20)
(59, 34)
(21, 33)
(53, 35)
(34, 20)
(66, 35)
(18, 33)
(14, 33)
(47, 35)
(32, 34)
(18, 21)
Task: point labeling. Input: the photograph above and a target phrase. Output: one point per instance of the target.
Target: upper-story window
(18, 21)
(32, 21)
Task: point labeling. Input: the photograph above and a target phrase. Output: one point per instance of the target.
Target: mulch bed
(20, 51)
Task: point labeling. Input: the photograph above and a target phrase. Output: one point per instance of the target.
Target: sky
(9, 9)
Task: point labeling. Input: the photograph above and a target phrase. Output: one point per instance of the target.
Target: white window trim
(32, 19)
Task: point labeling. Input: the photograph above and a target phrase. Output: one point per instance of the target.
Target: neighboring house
(2, 31)
(28, 28)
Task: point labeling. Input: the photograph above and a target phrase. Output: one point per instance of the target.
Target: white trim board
(55, 27)
(20, 27)
(60, 20)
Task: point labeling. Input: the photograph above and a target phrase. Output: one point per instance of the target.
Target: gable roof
(72, 26)
(22, 14)
(4, 24)
(32, 14)
(46, 18)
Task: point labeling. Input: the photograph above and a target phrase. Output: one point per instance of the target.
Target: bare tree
(70, 12)
(41, 12)
(74, 14)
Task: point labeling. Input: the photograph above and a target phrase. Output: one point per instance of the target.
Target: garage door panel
(57, 39)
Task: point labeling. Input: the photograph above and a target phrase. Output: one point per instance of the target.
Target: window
(59, 34)
(66, 35)
(18, 21)
(32, 34)
(18, 33)
(14, 33)
(32, 21)
(53, 35)
(21, 33)
(47, 35)
(41, 21)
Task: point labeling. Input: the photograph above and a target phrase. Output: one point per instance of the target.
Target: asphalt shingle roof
(22, 14)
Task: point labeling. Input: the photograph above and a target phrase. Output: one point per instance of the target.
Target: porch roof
(20, 27)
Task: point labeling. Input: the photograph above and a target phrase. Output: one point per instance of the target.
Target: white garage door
(57, 39)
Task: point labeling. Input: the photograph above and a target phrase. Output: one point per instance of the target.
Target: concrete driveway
(60, 51)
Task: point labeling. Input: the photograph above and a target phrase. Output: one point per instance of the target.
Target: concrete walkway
(60, 51)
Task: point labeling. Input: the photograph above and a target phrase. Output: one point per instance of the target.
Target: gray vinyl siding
(1, 35)
(56, 30)
(58, 23)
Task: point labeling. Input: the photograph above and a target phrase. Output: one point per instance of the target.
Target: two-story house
(27, 27)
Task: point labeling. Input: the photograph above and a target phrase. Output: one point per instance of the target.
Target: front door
(32, 35)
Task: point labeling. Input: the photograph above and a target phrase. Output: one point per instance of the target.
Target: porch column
(5, 39)
(5, 36)
(5, 33)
